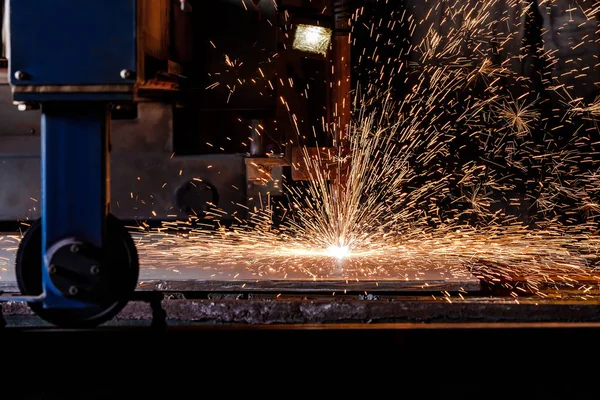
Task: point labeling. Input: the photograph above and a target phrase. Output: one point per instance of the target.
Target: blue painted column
(75, 178)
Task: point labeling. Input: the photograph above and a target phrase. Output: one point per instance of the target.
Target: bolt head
(27, 106)
(74, 248)
(126, 74)
(20, 75)
(52, 269)
(94, 270)
(73, 290)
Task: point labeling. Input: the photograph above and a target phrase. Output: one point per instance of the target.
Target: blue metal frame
(74, 181)
(69, 55)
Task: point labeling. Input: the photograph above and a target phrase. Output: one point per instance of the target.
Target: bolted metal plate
(70, 42)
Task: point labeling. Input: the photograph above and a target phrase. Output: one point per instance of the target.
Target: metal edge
(296, 286)
(73, 89)
(308, 286)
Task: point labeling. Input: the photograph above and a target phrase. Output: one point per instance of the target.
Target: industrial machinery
(119, 115)
(139, 79)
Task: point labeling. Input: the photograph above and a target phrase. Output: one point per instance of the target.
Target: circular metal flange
(119, 270)
(74, 269)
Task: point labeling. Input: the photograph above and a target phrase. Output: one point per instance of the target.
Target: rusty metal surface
(396, 310)
(306, 160)
(428, 283)
(267, 312)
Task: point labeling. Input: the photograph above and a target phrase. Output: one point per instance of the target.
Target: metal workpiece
(173, 264)
(271, 310)
(310, 309)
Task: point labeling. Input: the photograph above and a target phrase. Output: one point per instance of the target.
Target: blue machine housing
(70, 56)
(72, 47)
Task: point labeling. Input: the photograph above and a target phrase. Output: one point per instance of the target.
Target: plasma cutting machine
(79, 63)
(77, 264)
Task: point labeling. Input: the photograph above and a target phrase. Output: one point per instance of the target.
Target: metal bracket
(159, 315)
(5, 298)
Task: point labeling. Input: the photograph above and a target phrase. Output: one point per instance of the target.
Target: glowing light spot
(338, 252)
(312, 39)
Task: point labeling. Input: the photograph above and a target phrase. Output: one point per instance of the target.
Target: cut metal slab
(167, 269)
(306, 286)
(337, 310)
